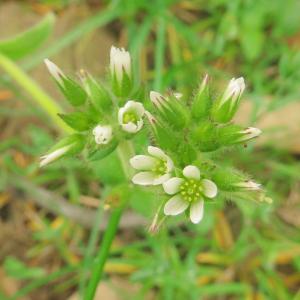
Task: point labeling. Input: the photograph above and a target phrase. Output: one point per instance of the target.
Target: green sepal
(121, 89)
(101, 151)
(202, 103)
(73, 92)
(205, 136)
(164, 136)
(229, 134)
(76, 120)
(187, 154)
(226, 178)
(97, 93)
(174, 112)
(76, 141)
(225, 112)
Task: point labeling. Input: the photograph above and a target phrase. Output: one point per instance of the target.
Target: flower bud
(248, 185)
(70, 145)
(225, 107)
(130, 116)
(202, 102)
(73, 92)
(103, 134)
(162, 134)
(96, 92)
(205, 136)
(234, 134)
(170, 109)
(121, 72)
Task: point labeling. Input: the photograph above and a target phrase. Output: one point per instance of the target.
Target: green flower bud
(73, 92)
(97, 93)
(202, 102)
(171, 110)
(226, 106)
(121, 72)
(234, 134)
(162, 134)
(205, 136)
(68, 146)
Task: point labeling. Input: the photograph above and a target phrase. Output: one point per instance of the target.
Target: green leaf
(19, 270)
(76, 120)
(28, 41)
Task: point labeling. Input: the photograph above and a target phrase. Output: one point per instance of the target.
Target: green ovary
(160, 168)
(130, 117)
(191, 190)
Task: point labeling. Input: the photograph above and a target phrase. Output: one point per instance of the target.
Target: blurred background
(50, 221)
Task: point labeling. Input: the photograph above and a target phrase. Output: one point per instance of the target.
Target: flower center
(160, 168)
(191, 190)
(130, 117)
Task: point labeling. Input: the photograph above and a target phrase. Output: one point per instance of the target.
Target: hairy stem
(125, 151)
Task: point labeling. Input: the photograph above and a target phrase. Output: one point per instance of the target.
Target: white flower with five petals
(130, 116)
(188, 192)
(155, 168)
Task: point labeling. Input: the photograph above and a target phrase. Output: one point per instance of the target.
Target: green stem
(125, 151)
(101, 258)
(37, 93)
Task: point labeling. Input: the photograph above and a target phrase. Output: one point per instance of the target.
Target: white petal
(210, 188)
(191, 172)
(130, 127)
(121, 113)
(170, 164)
(175, 206)
(136, 107)
(143, 162)
(55, 71)
(48, 158)
(161, 179)
(156, 152)
(140, 124)
(196, 211)
(143, 178)
(172, 186)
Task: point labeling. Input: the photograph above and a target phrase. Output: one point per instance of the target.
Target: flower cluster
(188, 134)
(96, 125)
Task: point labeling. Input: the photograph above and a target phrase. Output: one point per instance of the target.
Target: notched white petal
(157, 152)
(210, 188)
(172, 186)
(197, 211)
(143, 162)
(191, 172)
(143, 178)
(175, 206)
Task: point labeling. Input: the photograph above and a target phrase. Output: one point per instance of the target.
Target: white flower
(233, 91)
(248, 134)
(188, 192)
(103, 134)
(55, 71)
(130, 116)
(249, 185)
(120, 62)
(54, 155)
(155, 168)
